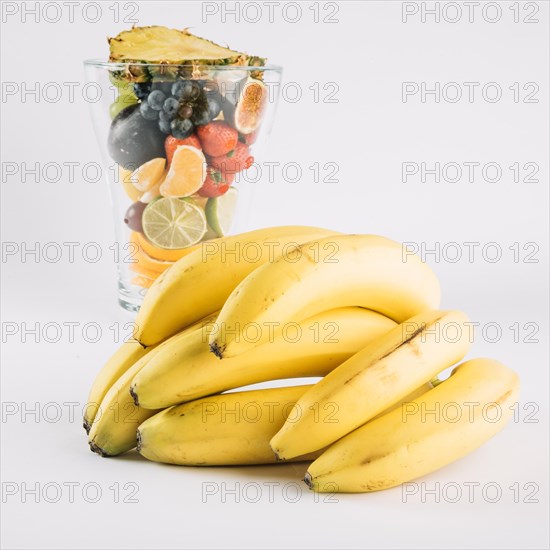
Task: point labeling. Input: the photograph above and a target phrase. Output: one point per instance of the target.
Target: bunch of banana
(420, 438)
(359, 311)
(185, 369)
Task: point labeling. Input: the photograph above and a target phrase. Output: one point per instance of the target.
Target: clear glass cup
(167, 195)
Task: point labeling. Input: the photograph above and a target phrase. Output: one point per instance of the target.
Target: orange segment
(142, 281)
(162, 254)
(186, 174)
(124, 178)
(148, 175)
(145, 261)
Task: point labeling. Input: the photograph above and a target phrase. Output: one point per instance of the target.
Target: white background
(369, 132)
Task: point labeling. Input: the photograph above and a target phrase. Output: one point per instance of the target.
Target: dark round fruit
(201, 117)
(177, 88)
(214, 107)
(147, 112)
(133, 140)
(164, 126)
(164, 87)
(181, 128)
(142, 89)
(133, 216)
(210, 87)
(156, 99)
(170, 106)
(185, 111)
(192, 90)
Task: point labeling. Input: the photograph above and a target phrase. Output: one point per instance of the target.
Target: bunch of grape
(179, 106)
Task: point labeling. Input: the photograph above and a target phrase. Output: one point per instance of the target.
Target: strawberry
(217, 138)
(216, 183)
(171, 144)
(249, 139)
(236, 160)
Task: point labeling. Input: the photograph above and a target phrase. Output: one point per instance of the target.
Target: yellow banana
(336, 271)
(185, 369)
(372, 380)
(443, 425)
(125, 356)
(228, 429)
(199, 283)
(113, 430)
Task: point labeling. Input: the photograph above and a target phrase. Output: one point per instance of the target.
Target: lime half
(220, 210)
(173, 223)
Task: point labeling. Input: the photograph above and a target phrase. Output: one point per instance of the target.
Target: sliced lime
(220, 210)
(173, 223)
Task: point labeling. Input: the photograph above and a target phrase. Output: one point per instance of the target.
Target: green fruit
(120, 103)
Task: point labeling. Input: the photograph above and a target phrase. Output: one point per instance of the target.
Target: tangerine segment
(186, 174)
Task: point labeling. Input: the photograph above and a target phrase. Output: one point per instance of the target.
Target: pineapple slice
(160, 45)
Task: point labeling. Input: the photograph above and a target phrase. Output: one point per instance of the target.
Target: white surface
(368, 133)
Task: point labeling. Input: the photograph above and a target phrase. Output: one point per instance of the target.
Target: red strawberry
(171, 144)
(217, 138)
(236, 160)
(249, 139)
(216, 183)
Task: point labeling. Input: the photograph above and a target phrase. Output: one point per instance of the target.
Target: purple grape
(156, 100)
(181, 128)
(214, 107)
(133, 216)
(147, 112)
(170, 106)
(201, 117)
(185, 111)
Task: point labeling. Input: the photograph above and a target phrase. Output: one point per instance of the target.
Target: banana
(372, 380)
(228, 429)
(126, 355)
(199, 283)
(336, 271)
(185, 369)
(443, 425)
(113, 430)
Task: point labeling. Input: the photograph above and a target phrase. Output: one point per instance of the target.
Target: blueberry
(164, 87)
(214, 107)
(181, 128)
(142, 89)
(156, 100)
(201, 117)
(164, 125)
(147, 112)
(170, 106)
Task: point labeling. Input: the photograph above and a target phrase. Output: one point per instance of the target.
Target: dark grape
(164, 87)
(147, 112)
(171, 106)
(156, 99)
(142, 89)
(214, 107)
(201, 117)
(185, 111)
(164, 126)
(133, 216)
(177, 88)
(163, 115)
(191, 90)
(181, 128)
